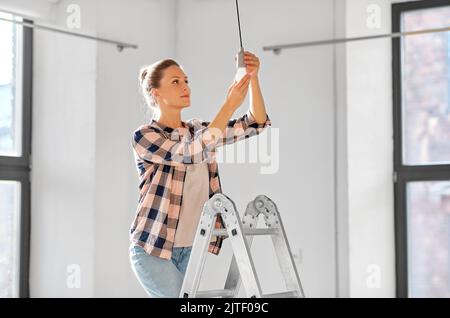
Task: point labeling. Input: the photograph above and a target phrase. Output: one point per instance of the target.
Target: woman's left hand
(252, 63)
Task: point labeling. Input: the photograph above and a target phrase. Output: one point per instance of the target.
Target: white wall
(37, 9)
(340, 150)
(63, 152)
(370, 154)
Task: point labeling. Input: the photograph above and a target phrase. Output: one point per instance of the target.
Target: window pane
(9, 238)
(426, 88)
(428, 214)
(10, 87)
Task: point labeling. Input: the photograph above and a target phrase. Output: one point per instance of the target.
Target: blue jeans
(160, 277)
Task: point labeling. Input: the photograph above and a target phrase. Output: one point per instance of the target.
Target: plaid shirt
(161, 156)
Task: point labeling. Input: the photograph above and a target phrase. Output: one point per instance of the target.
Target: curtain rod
(277, 48)
(120, 45)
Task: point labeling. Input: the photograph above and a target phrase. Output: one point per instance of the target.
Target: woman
(178, 172)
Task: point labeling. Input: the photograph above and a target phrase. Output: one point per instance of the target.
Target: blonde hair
(150, 77)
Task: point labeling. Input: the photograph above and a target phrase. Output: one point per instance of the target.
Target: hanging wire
(239, 23)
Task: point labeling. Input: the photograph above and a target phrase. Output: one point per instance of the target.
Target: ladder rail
(241, 249)
(281, 244)
(249, 221)
(249, 231)
(197, 258)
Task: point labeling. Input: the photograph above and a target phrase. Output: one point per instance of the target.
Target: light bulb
(240, 73)
(240, 65)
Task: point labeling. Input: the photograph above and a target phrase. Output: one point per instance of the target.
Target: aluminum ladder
(241, 235)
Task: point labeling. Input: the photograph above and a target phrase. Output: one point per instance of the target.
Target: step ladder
(240, 234)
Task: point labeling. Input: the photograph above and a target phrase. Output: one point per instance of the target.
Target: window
(15, 142)
(421, 84)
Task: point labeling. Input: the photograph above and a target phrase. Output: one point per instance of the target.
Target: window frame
(19, 168)
(406, 173)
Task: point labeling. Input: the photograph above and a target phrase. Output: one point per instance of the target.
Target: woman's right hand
(237, 92)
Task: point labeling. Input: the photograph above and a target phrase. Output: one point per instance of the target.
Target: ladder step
(287, 294)
(268, 231)
(229, 293)
(215, 293)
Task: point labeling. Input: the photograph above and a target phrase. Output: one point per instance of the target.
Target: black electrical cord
(239, 23)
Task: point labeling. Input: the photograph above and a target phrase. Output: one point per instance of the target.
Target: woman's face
(173, 88)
